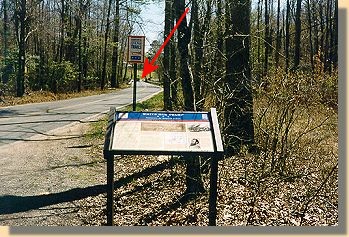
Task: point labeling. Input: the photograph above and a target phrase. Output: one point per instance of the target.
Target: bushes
(50, 76)
(291, 115)
(297, 136)
(63, 77)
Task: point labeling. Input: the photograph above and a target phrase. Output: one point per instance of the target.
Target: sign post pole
(135, 54)
(134, 85)
(110, 190)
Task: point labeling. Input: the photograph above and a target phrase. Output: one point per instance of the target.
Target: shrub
(63, 77)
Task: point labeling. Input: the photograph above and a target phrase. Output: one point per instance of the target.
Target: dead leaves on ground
(154, 197)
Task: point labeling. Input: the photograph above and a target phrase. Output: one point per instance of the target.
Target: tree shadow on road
(10, 204)
(40, 127)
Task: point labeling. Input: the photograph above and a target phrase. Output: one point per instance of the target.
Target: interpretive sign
(163, 133)
(135, 49)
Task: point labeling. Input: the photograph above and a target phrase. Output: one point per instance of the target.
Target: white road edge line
(88, 119)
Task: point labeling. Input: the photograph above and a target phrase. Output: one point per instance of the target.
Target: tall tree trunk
(322, 30)
(311, 49)
(122, 70)
(204, 65)
(327, 61)
(79, 26)
(63, 23)
(21, 26)
(106, 34)
(114, 82)
(199, 30)
(166, 58)
(287, 37)
(278, 36)
(193, 182)
(271, 14)
(316, 29)
(219, 42)
(297, 40)
(197, 38)
(6, 72)
(173, 66)
(266, 38)
(334, 46)
(238, 112)
(86, 44)
(259, 16)
(183, 41)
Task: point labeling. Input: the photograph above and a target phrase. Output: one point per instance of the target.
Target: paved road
(22, 122)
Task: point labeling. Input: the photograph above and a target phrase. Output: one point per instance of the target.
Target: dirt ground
(41, 180)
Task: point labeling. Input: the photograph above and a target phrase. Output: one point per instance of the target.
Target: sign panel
(135, 49)
(163, 131)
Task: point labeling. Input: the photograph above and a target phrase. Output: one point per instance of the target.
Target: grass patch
(97, 129)
(45, 96)
(155, 103)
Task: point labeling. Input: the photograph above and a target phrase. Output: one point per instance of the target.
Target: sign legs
(110, 190)
(212, 215)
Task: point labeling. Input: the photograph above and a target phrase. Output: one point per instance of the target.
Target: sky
(153, 16)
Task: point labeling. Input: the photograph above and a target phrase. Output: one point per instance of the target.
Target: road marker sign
(135, 53)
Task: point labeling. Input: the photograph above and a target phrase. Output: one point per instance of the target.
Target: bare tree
(173, 66)
(21, 11)
(310, 25)
(113, 80)
(166, 58)
(278, 36)
(106, 35)
(194, 181)
(238, 111)
(5, 74)
(297, 41)
(267, 40)
(287, 36)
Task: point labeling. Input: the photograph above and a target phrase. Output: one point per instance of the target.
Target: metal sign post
(134, 86)
(163, 133)
(135, 54)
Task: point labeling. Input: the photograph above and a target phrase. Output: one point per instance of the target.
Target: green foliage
(34, 75)
(155, 103)
(53, 76)
(97, 129)
(63, 76)
(8, 72)
(91, 82)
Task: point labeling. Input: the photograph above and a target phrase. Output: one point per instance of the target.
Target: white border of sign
(138, 53)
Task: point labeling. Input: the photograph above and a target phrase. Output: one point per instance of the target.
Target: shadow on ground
(10, 204)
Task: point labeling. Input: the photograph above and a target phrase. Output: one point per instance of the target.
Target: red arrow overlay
(149, 66)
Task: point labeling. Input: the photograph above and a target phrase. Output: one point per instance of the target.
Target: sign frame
(134, 52)
(216, 154)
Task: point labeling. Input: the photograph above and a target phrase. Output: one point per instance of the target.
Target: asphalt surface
(23, 122)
